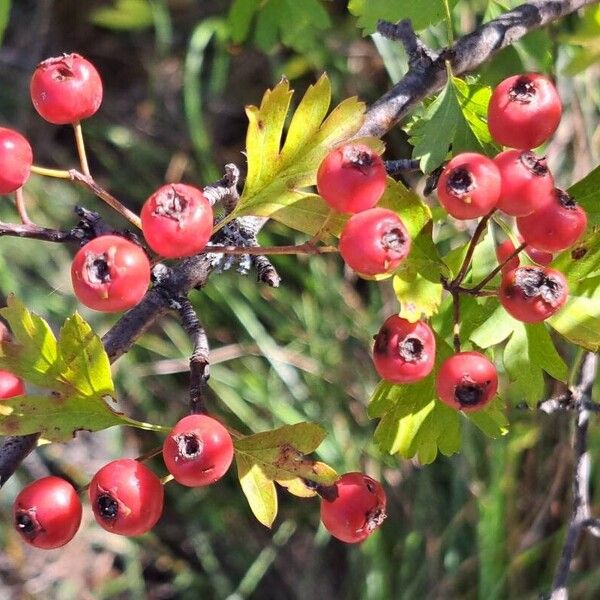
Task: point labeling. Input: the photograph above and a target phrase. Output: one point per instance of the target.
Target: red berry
(532, 294)
(47, 513)
(539, 256)
(351, 178)
(467, 381)
(66, 89)
(404, 352)
(10, 385)
(555, 226)
(126, 497)
(177, 220)
(110, 274)
(524, 111)
(374, 241)
(356, 509)
(198, 451)
(503, 251)
(16, 157)
(469, 186)
(526, 182)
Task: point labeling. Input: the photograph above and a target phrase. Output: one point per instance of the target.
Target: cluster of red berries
(524, 111)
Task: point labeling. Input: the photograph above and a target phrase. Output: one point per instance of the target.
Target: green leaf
(492, 420)
(419, 297)
(277, 179)
(422, 13)
(279, 455)
(126, 15)
(456, 118)
(579, 320)
(75, 369)
(585, 192)
(240, 17)
(5, 6)
(585, 38)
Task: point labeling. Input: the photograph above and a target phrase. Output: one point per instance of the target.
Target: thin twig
(81, 148)
(494, 272)
(456, 319)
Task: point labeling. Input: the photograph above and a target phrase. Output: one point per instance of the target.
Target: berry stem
(104, 195)
(21, 208)
(456, 319)
(494, 272)
(46, 172)
(81, 148)
(449, 27)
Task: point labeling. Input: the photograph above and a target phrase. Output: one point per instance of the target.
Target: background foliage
(486, 523)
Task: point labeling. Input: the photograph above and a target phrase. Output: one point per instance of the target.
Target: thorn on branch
(420, 57)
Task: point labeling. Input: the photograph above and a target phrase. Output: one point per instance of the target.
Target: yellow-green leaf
(258, 488)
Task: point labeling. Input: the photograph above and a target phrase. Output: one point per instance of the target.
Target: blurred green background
(488, 523)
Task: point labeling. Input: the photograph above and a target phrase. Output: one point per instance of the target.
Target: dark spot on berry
(460, 182)
(97, 268)
(27, 524)
(578, 253)
(565, 200)
(172, 205)
(535, 283)
(374, 518)
(381, 342)
(370, 486)
(536, 166)
(356, 158)
(108, 507)
(523, 90)
(411, 349)
(188, 445)
(394, 240)
(470, 393)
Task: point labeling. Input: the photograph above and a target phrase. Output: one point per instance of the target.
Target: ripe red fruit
(539, 256)
(526, 182)
(198, 451)
(110, 274)
(404, 352)
(351, 178)
(66, 89)
(467, 381)
(126, 497)
(356, 509)
(177, 220)
(555, 226)
(47, 513)
(469, 186)
(10, 385)
(524, 111)
(374, 241)
(503, 251)
(16, 158)
(532, 294)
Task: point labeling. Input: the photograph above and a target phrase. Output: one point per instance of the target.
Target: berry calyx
(469, 186)
(374, 242)
(10, 385)
(110, 274)
(177, 220)
(351, 178)
(47, 513)
(526, 182)
(467, 381)
(555, 226)
(198, 451)
(66, 89)
(532, 294)
(404, 352)
(524, 111)
(356, 508)
(126, 497)
(16, 158)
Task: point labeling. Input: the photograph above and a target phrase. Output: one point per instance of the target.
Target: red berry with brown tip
(532, 294)
(374, 242)
(526, 182)
(16, 158)
(198, 451)
(351, 178)
(177, 220)
(353, 508)
(404, 352)
(524, 111)
(110, 274)
(467, 381)
(126, 497)
(66, 89)
(556, 226)
(47, 513)
(469, 186)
